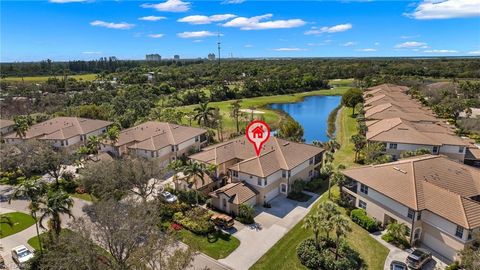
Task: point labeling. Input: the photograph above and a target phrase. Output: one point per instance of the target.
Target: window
(235, 173)
(417, 234)
(460, 149)
(310, 162)
(419, 215)
(259, 181)
(265, 181)
(364, 189)
(362, 204)
(173, 148)
(393, 146)
(151, 154)
(66, 142)
(411, 213)
(283, 188)
(459, 232)
(196, 139)
(61, 142)
(470, 235)
(284, 173)
(435, 149)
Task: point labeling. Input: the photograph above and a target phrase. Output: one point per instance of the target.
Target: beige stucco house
(436, 197)
(279, 164)
(62, 132)
(160, 140)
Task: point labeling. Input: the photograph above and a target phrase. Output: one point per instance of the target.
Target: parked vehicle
(397, 265)
(21, 255)
(168, 197)
(418, 258)
(223, 221)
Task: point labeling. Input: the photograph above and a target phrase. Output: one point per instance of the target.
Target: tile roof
(389, 110)
(276, 154)
(403, 131)
(238, 193)
(61, 128)
(6, 123)
(433, 183)
(153, 135)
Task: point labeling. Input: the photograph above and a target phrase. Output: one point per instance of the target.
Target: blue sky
(89, 29)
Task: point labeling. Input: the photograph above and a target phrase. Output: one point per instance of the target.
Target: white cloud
(409, 37)
(367, 50)
(201, 19)
(121, 26)
(170, 6)
(66, 1)
(348, 44)
(440, 51)
(474, 52)
(411, 44)
(435, 9)
(248, 46)
(258, 23)
(156, 35)
(91, 52)
(197, 34)
(332, 29)
(197, 40)
(289, 49)
(152, 18)
(233, 1)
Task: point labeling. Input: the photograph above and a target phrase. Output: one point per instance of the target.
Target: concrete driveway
(271, 225)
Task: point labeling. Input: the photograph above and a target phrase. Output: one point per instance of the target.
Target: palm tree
(235, 112)
(112, 134)
(192, 170)
(318, 143)
(21, 126)
(328, 158)
(359, 142)
(203, 113)
(313, 222)
(397, 230)
(341, 226)
(327, 210)
(332, 145)
(34, 190)
(55, 204)
(93, 144)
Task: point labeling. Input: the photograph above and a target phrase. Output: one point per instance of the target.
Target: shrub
(309, 255)
(167, 210)
(360, 217)
(190, 196)
(68, 186)
(314, 185)
(298, 186)
(453, 266)
(246, 213)
(396, 235)
(196, 220)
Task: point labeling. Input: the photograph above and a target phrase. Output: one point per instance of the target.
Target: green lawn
(218, 248)
(272, 117)
(85, 196)
(85, 77)
(283, 254)
(20, 222)
(34, 243)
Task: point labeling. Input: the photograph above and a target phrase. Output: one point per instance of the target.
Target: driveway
(271, 225)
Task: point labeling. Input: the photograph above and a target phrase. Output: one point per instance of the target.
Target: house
(400, 135)
(279, 164)
(160, 140)
(229, 197)
(6, 126)
(68, 132)
(389, 110)
(437, 198)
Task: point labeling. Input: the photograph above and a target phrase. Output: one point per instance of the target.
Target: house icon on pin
(258, 132)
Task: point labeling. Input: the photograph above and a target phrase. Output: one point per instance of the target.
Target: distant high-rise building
(211, 56)
(153, 57)
(176, 57)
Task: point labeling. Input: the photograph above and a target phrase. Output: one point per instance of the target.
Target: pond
(312, 113)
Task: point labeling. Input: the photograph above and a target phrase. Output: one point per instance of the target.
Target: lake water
(312, 113)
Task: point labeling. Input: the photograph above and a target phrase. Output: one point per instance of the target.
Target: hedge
(360, 217)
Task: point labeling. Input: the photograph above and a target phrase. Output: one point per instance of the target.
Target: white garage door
(440, 247)
(272, 194)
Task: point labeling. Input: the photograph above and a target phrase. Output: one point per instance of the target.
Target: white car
(168, 197)
(21, 255)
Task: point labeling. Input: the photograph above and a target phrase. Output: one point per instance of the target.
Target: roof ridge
(281, 154)
(414, 184)
(464, 212)
(170, 133)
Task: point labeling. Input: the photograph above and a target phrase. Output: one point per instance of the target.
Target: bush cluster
(401, 243)
(360, 217)
(323, 257)
(196, 220)
(314, 185)
(167, 210)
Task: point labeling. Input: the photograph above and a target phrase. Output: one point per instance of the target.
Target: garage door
(438, 246)
(272, 194)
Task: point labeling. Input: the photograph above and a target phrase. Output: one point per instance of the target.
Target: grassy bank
(283, 254)
(85, 77)
(272, 117)
(217, 247)
(20, 221)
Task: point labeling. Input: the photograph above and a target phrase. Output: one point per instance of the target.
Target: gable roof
(153, 135)
(238, 193)
(433, 183)
(389, 110)
(61, 128)
(275, 154)
(403, 131)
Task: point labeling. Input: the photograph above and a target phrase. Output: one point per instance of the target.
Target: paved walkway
(271, 225)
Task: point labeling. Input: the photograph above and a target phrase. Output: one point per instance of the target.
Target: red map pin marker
(257, 133)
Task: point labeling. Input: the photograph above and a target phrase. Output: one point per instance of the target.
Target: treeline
(236, 69)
